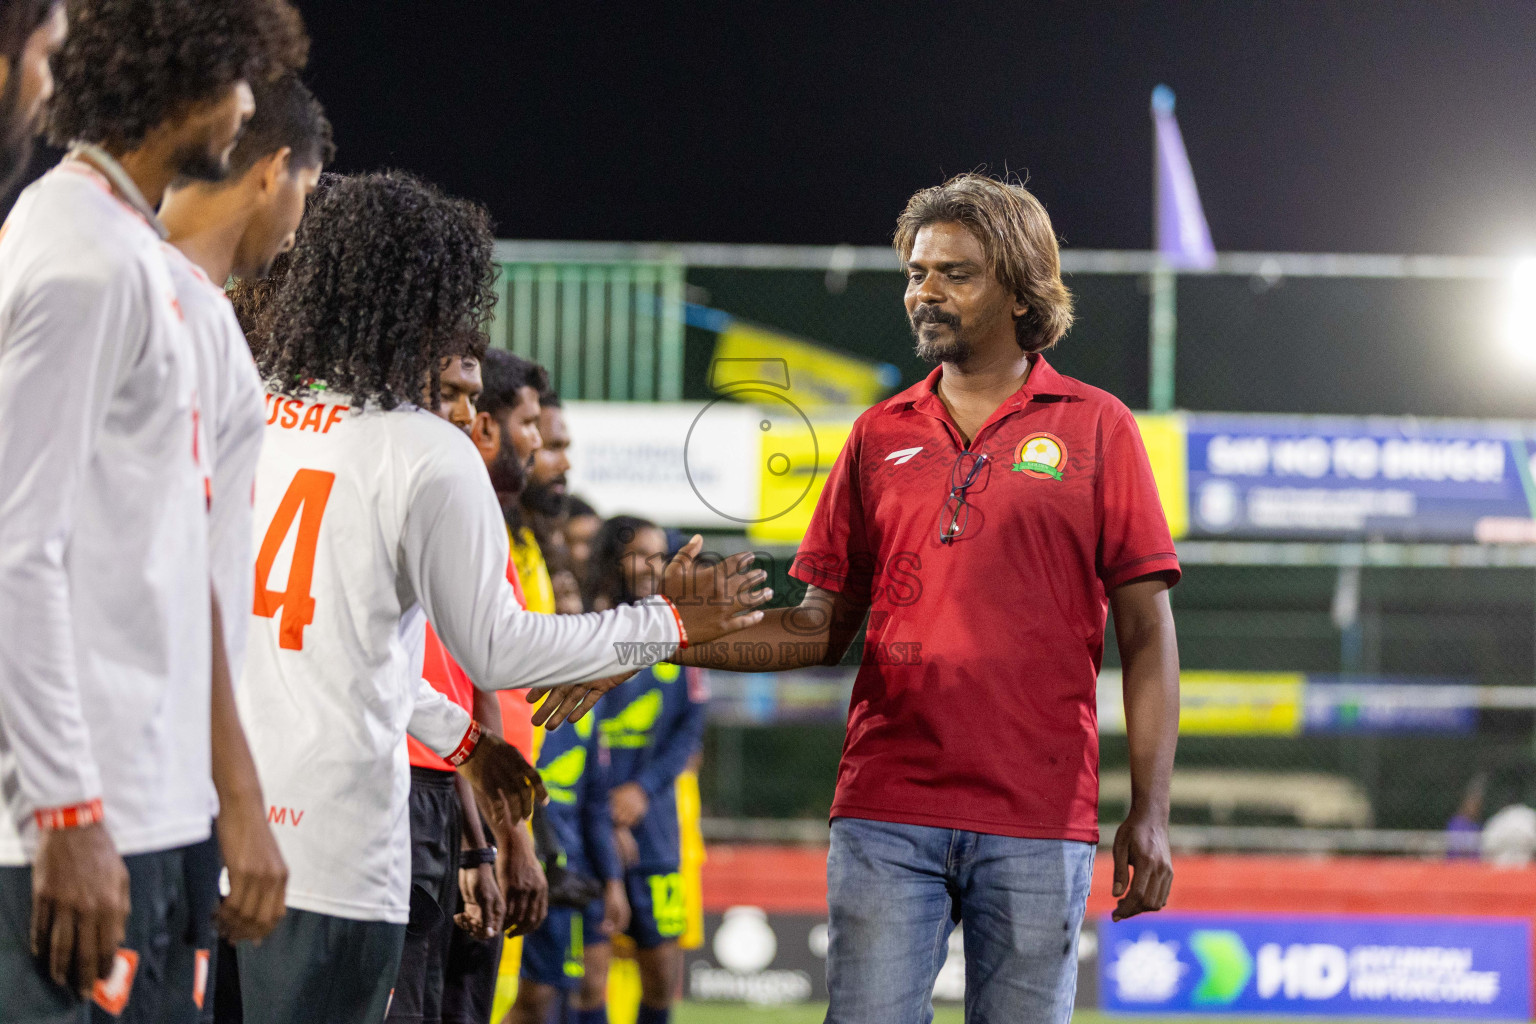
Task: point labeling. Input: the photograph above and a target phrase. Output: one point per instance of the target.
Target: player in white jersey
(30, 32)
(237, 227)
(104, 590)
(373, 515)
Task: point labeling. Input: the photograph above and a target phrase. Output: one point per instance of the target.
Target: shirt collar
(1043, 380)
(102, 161)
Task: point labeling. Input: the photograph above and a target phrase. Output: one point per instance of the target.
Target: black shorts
(435, 830)
(470, 987)
(319, 969)
(163, 967)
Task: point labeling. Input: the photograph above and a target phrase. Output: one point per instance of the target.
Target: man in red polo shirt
(984, 521)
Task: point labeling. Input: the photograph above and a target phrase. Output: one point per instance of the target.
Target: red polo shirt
(974, 706)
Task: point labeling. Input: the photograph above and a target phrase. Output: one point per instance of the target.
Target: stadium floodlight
(1520, 311)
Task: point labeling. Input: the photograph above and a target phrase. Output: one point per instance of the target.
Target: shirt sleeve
(454, 555)
(60, 350)
(437, 722)
(673, 749)
(1133, 531)
(596, 816)
(835, 554)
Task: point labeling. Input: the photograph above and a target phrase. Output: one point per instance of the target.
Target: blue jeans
(897, 891)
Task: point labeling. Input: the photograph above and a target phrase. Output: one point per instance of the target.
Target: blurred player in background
(985, 558)
(653, 726)
(217, 230)
(574, 764)
(580, 525)
(542, 502)
(105, 688)
(31, 31)
(393, 526)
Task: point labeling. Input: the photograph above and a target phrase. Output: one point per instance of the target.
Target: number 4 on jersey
(305, 501)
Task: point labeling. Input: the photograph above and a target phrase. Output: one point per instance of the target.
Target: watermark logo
(788, 448)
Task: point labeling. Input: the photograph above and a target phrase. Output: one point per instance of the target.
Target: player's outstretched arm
(817, 631)
(258, 877)
(712, 598)
(453, 555)
(1149, 654)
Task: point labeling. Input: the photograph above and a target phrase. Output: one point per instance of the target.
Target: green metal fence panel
(605, 329)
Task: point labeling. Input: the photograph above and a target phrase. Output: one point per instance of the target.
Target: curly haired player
(374, 517)
(108, 736)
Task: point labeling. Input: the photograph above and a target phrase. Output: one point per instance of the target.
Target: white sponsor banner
(660, 460)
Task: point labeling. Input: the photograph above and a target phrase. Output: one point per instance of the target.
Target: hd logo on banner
(1450, 968)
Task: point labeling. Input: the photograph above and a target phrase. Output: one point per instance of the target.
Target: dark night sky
(1337, 126)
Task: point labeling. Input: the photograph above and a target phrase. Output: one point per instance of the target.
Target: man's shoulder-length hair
(1015, 232)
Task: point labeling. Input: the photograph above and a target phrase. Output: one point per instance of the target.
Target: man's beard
(15, 134)
(195, 163)
(509, 474)
(953, 350)
(543, 499)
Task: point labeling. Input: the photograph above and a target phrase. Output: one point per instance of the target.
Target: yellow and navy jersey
(574, 763)
(652, 724)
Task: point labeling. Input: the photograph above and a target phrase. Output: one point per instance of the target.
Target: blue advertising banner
(1336, 477)
(1446, 968)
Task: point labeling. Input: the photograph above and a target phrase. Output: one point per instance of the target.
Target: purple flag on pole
(1183, 238)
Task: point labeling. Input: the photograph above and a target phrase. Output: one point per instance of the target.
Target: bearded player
(374, 517)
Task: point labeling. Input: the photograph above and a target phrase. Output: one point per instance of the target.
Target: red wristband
(88, 813)
(682, 634)
(466, 745)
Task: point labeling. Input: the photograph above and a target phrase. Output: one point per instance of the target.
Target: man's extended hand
(484, 908)
(79, 905)
(506, 784)
(1143, 865)
(714, 599)
(258, 878)
(522, 879)
(627, 804)
(571, 701)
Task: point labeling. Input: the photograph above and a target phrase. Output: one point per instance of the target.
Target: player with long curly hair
(374, 518)
(105, 688)
(388, 275)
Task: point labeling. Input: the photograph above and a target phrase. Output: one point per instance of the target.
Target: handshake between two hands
(713, 599)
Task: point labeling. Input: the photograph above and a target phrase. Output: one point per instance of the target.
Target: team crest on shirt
(1040, 455)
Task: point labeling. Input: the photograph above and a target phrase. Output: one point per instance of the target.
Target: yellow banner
(1167, 441)
(796, 456)
(1219, 703)
(1241, 703)
(817, 376)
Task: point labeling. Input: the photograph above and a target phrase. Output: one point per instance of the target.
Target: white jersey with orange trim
(230, 396)
(367, 525)
(104, 666)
